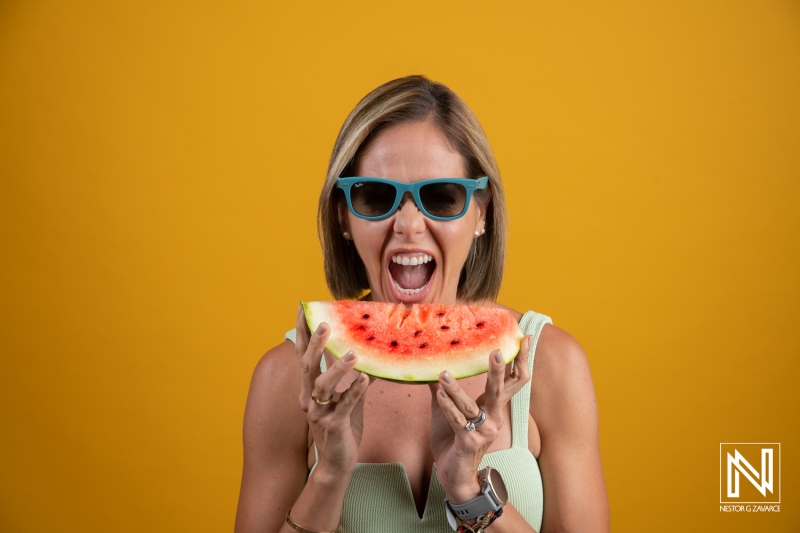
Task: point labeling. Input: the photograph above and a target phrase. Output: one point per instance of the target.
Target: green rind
(468, 366)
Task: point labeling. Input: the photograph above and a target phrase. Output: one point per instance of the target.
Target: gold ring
(320, 402)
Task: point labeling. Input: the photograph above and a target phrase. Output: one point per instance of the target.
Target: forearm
(319, 506)
(510, 521)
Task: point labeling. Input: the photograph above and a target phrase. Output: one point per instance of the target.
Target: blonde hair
(414, 98)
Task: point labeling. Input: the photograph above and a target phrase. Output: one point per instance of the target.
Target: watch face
(498, 487)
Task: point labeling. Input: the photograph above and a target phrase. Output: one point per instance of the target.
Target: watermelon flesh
(415, 345)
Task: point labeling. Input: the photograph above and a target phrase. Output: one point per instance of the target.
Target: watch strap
(484, 503)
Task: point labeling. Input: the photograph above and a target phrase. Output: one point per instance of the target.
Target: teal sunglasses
(439, 199)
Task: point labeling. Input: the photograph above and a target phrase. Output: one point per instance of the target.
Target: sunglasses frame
(470, 185)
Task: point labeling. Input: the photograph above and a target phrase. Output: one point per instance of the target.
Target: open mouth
(411, 272)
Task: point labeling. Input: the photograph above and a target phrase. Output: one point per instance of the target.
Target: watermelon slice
(415, 345)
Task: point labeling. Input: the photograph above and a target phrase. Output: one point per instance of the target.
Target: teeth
(410, 260)
(408, 291)
(413, 260)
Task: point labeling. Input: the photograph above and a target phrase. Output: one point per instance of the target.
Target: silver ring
(477, 421)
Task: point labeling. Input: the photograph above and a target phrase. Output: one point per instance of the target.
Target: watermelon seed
(362, 327)
(365, 316)
(440, 314)
(394, 343)
(418, 333)
(480, 324)
(371, 338)
(445, 327)
(454, 342)
(423, 345)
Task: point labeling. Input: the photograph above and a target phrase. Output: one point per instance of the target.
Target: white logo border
(720, 474)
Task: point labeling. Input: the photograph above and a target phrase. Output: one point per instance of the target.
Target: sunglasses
(439, 199)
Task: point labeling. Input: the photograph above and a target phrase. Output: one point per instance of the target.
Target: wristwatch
(492, 498)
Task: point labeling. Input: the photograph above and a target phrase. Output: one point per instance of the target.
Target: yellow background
(159, 171)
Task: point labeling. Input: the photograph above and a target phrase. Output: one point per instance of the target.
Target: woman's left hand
(457, 451)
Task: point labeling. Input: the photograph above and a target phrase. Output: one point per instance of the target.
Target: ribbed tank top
(379, 498)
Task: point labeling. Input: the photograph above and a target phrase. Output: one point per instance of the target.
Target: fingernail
(320, 330)
(447, 377)
(498, 357)
(349, 356)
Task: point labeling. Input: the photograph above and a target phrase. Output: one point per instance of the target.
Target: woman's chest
(397, 425)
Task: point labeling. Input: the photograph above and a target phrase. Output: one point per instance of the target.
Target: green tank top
(379, 499)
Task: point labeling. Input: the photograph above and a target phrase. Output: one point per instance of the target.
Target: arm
(564, 406)
(458, 452)
(277, 374)
(276, 430)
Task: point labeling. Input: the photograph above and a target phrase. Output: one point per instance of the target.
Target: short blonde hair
(414, 98)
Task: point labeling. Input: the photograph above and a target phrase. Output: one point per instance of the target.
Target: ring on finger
(477, 421)
(318, 401)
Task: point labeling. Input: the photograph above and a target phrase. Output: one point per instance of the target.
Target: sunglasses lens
(372, 199)
(443, 199)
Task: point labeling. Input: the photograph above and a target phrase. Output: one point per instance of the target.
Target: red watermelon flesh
(415, 345)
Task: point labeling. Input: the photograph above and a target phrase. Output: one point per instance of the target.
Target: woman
(385, 456)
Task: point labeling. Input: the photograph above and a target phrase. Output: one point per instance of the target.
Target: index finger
(520, 374)
(310, 359)
(302, 333)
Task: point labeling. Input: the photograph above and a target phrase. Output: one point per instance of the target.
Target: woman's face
(410, 152)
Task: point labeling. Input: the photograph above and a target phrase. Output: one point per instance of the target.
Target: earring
(346, 235)
(483, 230)
(477, 233)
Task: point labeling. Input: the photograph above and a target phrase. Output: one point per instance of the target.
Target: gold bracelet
(481, 523)
(297, 527)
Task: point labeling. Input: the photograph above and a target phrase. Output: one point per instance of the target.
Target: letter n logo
(749, 472)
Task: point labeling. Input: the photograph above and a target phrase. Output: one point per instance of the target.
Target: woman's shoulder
(272, 399)
(560, 364)
(561, 384)
(279, 362)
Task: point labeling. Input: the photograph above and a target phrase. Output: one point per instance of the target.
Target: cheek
(369, 238)
(456, 243)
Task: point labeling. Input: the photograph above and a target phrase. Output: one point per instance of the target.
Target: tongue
(411, 277)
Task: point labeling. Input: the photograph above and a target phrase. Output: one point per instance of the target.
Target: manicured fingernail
(447, 377)
(349, 356)
(498, 357)
(320, 330)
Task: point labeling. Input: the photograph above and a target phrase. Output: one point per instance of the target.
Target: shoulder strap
(531, 324)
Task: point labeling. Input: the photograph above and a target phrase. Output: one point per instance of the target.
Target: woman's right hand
(336, 427)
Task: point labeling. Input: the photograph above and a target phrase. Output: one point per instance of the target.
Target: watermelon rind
(382, 364)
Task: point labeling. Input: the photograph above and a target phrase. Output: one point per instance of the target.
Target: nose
(409, 221)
